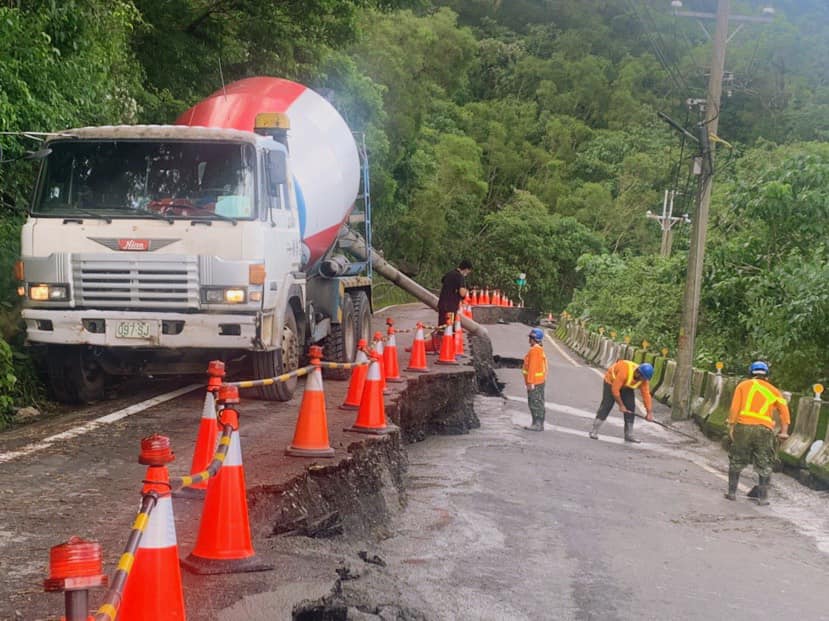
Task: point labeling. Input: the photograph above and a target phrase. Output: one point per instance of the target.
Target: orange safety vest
(535, 366)
(761, 416)
(610, 376)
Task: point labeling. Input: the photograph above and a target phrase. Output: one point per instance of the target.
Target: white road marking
(669, 451)
(384, 309)
(561, 350)
(567, 409)
(598, 372)
(98, 422)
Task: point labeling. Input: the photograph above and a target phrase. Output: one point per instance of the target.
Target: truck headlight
(235, 296)
(224, 295)
(48, 293)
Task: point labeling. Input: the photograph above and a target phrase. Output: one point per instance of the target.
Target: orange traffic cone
(473, 298)
(358, 379)
(417, 361)
(224, 543)
(208, 432)
(380, 348)
(153, 588)
(447, 343)
(390, 364)
(311, 433)
(496, 298)
(458, 332)
(371, 418)
(486, 297)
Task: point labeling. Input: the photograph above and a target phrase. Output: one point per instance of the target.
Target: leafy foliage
(638, 297)
(522, 134)
(524, 237)
(7, 380)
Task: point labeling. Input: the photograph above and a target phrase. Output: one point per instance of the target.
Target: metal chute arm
(355, 243)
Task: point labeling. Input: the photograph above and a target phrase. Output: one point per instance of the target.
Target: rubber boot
(629, 434)
(754, 492)
(594, 433)
(763, 491)
(733, 481)
(540, 423)
(536, 426)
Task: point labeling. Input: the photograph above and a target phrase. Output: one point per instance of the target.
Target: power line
(658, 31)
(673, 73)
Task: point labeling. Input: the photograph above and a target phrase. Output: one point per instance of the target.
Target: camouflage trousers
(753, 444)
(535, 399)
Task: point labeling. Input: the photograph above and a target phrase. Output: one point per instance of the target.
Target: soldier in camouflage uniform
(752, 430)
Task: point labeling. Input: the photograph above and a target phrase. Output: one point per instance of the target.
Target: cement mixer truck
(151, 250)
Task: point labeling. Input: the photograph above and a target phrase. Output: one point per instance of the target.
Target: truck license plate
(134, 330)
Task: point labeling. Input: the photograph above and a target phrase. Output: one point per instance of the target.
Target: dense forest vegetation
(522, 134)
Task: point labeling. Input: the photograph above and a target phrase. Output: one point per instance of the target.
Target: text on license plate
(133, 330)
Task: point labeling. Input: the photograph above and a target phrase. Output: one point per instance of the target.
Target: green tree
(525, 237)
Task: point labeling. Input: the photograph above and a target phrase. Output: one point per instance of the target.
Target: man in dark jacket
(452, 291)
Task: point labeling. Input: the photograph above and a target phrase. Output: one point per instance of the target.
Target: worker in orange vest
(535, 377)
(751, 429)
(621, 379)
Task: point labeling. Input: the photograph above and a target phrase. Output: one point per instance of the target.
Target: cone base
(377, 431)
(348, 406)
(413, 370)
(194, 493)
(207, 566)
(450, 362)
(301, 452)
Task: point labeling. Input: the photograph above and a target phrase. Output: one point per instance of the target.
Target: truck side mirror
(277, 171)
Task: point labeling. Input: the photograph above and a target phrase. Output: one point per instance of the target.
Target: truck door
(283, 248)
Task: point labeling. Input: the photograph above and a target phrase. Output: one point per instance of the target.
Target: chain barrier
(342, 365)
(271, 380)
(112, 600)
(296, 373)
(213, 467)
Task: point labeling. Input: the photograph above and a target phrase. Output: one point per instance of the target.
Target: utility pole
(667, 221)
(681, 408)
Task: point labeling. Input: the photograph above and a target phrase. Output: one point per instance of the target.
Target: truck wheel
(341, 344)
(362, 312)
(74, 375)
(272, 363)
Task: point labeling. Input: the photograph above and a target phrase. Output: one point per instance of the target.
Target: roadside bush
(7, 382)
(640, 297)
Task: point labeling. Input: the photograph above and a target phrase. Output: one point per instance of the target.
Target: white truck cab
(153, 249)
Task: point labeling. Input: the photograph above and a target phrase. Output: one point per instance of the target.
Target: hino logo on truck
(138, 245)
(133, 244)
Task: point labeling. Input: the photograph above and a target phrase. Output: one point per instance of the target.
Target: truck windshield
(134, 179)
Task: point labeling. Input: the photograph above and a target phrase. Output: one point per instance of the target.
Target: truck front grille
(129, 282)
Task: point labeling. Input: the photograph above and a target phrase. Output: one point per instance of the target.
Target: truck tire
(362, 312)
(341, 344)
(74, 375)
(272, 363)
